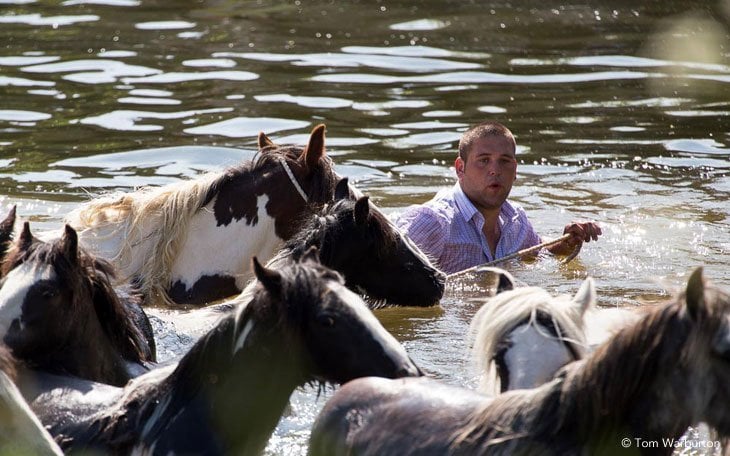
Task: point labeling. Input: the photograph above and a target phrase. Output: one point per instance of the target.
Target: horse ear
(311, 254)
(315, 148)
(695, 294)
(269, 278)
(505, 282)
(6, 226)
(70, 243)
(26, 238)
(586, 296)
(264, 141)
(342, 189)
(362, 210)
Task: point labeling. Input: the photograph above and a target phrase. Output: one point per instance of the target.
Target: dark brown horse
(192, 242)
(637, 393)
(226, 395)
(60, 313)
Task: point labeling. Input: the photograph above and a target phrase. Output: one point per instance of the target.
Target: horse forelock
(302, 287)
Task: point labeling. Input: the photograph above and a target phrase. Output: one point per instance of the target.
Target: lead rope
(534, 248)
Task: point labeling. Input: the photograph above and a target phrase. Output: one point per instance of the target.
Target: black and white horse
(227, 393)
(522, 337)
(192, 242)
(60, 313)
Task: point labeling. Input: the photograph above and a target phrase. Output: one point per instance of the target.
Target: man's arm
(580, 232)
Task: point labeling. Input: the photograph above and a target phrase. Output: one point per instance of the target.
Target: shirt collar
(507, 212)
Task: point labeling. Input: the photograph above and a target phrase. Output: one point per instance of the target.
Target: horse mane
(169, 209)
(578, 401)
(502, 313)
(95, 275)
(330, 221)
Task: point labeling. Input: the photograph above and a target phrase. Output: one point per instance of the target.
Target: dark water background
(620, 108)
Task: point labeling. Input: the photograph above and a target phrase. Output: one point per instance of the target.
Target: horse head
(304, 179)
(375, 258)
(58, 311)
(525, 335)
(707, 354)
(340, 337)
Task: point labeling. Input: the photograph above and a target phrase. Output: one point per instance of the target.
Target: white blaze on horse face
(12, 294)
(391, 347)
(209, 249)
(534, 357)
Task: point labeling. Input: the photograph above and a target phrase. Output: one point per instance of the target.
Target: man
(473, 223)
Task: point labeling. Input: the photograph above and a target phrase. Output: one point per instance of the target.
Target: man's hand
(580, 232)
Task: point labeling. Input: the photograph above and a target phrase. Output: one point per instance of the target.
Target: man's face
(489, 171)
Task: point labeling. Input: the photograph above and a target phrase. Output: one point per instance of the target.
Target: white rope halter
(294, 181)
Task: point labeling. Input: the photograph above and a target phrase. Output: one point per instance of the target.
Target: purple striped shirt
(448, 228)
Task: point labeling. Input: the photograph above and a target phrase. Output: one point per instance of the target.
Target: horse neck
(240, 376)
(626, 386)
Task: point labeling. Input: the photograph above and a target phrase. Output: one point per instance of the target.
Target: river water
(620, 109)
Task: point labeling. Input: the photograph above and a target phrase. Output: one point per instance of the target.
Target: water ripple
(22, 116)
(22, 82)
(246, 127)
(307, 102)
(175, 77)
(342, 60)
(15, 60)
(126, 120)
(465, 77)
(90, 71)
(53, 21)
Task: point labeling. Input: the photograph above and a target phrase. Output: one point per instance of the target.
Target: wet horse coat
(192, 242)
(678, 357)
(226, 395)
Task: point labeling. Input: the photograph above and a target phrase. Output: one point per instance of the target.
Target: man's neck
(491, 228)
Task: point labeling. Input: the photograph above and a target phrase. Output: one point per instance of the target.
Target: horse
(59, 312)
(7, 228)
(376, 259)
(191, 242)
(20, 430)
(225, 396)
(520, 338)
(647, 383)
(358, 241)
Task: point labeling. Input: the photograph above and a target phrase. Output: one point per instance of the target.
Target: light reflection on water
(103, 95)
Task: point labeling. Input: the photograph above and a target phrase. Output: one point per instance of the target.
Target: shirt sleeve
(426, 229)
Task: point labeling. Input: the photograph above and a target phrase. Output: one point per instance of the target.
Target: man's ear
(459, 165)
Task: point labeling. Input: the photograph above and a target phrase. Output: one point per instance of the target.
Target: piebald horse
(226, 395)
(358, 241)
(649, 382)
(192, 242)
(522, 337)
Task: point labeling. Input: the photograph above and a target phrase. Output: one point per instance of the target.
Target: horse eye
(327, 321)
(49, 293)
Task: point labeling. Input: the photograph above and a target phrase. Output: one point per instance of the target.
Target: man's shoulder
(439, 207)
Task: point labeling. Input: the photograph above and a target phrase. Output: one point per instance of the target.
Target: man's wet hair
(483, 130)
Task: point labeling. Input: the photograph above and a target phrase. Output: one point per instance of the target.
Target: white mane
(152, 223)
